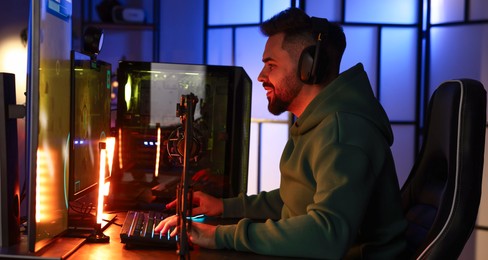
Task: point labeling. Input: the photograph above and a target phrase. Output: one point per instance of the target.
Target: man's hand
(166, 224)
(203, 204)
(201, 234)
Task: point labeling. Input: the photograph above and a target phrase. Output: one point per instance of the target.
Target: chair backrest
(442, 193)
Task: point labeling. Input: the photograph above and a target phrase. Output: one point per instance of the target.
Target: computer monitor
(148, 94)
(9, 171)
(48, 120)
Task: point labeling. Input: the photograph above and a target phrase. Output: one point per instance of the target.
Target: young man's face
(279, 76)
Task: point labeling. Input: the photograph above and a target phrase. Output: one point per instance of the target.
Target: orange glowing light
(121, 165)
(40, 171)
(110, 153)
(158, 152)
(43, 193)
(106, 188)
(101, 180)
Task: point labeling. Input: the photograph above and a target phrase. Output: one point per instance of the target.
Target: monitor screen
(90, 124)
(48, 120)
(148, 95)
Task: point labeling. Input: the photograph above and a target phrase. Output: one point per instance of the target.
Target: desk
(67, 247)
(115, 250)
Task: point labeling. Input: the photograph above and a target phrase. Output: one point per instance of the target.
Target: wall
(14, 17)
(182, 43)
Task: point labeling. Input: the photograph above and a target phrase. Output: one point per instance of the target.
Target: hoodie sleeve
(265, 205)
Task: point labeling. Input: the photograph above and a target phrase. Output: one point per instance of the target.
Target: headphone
(312, 63)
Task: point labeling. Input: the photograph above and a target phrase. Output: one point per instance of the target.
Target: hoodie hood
(351, 93)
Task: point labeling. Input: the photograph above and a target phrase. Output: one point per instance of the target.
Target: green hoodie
(339, 195)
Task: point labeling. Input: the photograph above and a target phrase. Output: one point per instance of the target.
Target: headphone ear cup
(306, 65)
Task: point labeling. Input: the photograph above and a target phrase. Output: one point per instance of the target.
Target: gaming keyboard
(138, 230)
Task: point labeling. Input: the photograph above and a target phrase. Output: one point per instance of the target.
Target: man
(339, 194)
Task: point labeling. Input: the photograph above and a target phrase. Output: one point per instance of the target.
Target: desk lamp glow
(97, 236)
(119, 149)
(158, 151)
(110, 159)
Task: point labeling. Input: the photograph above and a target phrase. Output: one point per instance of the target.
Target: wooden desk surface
(68, 247)
(115, 250)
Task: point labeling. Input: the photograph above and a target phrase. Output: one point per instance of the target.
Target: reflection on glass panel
(361, 47)
(478, 9)
(252, 178)
(272, 7)
(222, 12)
(458, 52)
(403, 150)
(274, 137)
(443, 11)
(330, 9)
(249, 51)
(398, 63)
(219, 50)
(382, 11)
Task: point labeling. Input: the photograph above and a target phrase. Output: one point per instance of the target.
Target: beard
(289, 88)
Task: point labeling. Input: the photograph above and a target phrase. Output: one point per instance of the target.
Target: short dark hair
(299, 34)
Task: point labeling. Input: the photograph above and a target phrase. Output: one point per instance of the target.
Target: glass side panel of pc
(90, 115)
(148, 95)
(90, 126)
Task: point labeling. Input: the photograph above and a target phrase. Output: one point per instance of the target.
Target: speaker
(313, 60)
